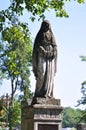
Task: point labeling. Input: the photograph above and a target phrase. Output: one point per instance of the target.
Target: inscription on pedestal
(47, 113)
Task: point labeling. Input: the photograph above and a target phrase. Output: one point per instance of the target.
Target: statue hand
(49, 54)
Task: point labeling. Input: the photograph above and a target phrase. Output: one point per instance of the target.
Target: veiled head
(45, 26)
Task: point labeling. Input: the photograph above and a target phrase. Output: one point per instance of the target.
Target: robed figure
(44, 61)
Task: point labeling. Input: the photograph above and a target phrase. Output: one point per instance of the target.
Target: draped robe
(44, 61)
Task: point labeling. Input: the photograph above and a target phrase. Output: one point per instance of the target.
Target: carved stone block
(81, 126)
(41, 116)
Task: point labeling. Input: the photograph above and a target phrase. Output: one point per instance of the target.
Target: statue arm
(54, 50)
(42, 51)
(54, 46)
(45, 53)
(48, 54)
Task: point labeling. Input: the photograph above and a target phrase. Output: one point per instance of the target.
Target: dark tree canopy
(15, 51)
(38, 7)
(82, 101)
(71, 117)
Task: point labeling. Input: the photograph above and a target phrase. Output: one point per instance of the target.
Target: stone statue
(44, 61)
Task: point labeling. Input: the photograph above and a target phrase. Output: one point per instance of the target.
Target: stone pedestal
(81, 126)
(44, 115)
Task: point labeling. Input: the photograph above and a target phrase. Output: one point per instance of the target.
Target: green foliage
(83, 117)
(17, 48)
(80, 1)
(14, 114)
(39, 7)
(15, 52)
(16, 55)
(1, 126)
(82, 101)
(83, 58)
(83, 91)
(71, 117)
(3, 112)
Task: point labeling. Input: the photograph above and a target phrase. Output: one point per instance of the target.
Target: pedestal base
(43, 116)
(81, 126)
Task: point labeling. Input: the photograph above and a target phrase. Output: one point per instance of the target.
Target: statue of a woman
(44, 61)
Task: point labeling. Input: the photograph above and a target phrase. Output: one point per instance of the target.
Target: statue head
(45, 26)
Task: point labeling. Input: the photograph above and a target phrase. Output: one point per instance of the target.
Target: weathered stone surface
(81, 126)
(53, 101)
(44, 61)
(43, 101)
(43, 115)
(47, 112)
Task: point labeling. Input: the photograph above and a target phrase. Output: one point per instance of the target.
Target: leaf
(80, 1)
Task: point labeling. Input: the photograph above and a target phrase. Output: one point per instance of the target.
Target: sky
(70, 35)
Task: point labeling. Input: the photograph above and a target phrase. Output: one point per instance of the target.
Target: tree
(15, 61)
(35, 7)
(70, 117)
(15, 52)
(16, 57)
(83, 88)
(39, 7)
(83, 91)
(14, 113)
(2, 112)
(82, 101)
